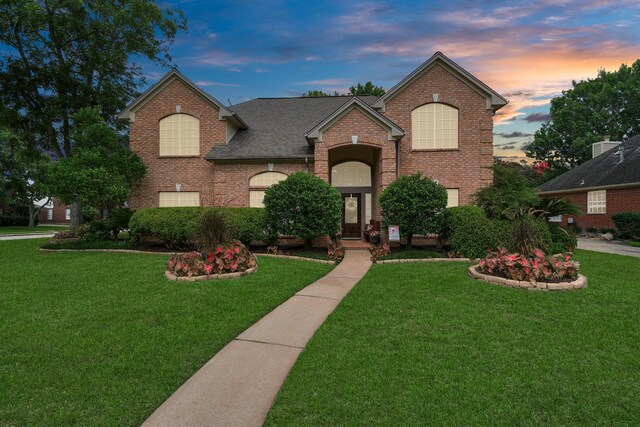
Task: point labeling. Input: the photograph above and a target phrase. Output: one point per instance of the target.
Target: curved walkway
(238, 385)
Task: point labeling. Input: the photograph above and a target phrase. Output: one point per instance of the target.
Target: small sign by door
(394, 233)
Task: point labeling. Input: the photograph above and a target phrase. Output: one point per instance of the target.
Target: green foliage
(606, 105)
(549, 207)
(562, 240)
(527, 234)
(94, 231)
(415, 203)
(13, 220)
(102, 171)
(303, 206)
(60, 57)
(317, 93)
(470, 233)
(510, 190)
(628, 225)
(211, 230)
(177, 227)
(367, 89)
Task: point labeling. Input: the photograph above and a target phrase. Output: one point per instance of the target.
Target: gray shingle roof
(602, 171)
(276, 127)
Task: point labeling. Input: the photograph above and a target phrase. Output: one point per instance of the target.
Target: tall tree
(61, 56)
(606, 105)
(317, 93)
(101, 170)
(367, 89)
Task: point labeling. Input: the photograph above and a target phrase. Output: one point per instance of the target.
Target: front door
(351, 215)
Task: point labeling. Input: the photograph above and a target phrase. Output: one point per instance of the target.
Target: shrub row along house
(607, 184)
(438, 120)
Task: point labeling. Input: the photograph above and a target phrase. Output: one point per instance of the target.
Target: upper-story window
(179, 135)
(434, 126)
(259, 183)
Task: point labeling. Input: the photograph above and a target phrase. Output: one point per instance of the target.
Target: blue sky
(529, 51)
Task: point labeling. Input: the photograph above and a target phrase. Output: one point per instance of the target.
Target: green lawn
(422, 344)
(31, 230)
(413, 253)
(632, 243)
(104, 339)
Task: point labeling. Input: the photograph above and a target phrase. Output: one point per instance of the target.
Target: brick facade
(227, 183)
(58, 215)
(618, 201)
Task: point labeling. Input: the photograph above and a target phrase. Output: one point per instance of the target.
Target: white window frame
(49, 214)
(179, 135)
(435, 126)
(556, 218)
(67, 214)
(597, 202)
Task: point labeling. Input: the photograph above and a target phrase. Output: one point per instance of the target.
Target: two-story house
(438, 120)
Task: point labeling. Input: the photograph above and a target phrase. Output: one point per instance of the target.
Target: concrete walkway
(613, 247)
(238, 385)
(26, 236)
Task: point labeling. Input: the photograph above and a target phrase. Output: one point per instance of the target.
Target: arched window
(259, 183)
(434, 126)
(179, 135)
(351, 174)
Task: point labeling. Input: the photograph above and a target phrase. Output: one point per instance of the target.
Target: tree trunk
(409, 240)
(76, 216)
(32, 222)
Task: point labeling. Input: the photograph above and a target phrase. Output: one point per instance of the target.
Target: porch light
(178, 108)
(178, 187)
(354, 139)
(436, 97)
(270, 167)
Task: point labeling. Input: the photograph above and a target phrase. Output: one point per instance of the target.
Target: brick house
(438, 120)
(607, 184)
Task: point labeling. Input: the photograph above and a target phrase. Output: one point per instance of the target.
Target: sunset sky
(529, 51)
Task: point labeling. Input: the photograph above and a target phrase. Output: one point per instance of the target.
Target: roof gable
(605, 170)
(224, 113)
(495, 101)
(395, 132)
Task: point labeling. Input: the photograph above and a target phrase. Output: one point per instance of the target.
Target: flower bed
(537, 272)
(225, 261)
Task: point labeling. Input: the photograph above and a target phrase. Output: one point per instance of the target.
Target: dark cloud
(514, 134)
(537, 117)
(519, 93)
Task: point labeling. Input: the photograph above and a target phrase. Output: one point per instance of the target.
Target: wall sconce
(354, 139)
(178, 187)
(436, 97)
(270, 167)
(178, 108)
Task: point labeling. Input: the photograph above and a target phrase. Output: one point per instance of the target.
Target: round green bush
(562, 240)
(470, 233)
(303, 206)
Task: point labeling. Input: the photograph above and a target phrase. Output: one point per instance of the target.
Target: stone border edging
(580, 282)
(169, 275)
(124, 251)
(397, 261)
(321, 261)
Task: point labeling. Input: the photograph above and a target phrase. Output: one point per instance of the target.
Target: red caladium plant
(537, 268)
(225, 258)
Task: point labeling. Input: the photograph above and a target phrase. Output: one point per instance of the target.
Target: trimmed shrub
(118, 220)
(303, 206)
(562, 240)
(177, 227)
(469, 232)
(415, 203)
(94, 231)
(628, 225)
(18, 221)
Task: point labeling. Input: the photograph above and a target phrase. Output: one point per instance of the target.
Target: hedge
(628, 225)
(176, 226)
(18, 221)
(470, 233)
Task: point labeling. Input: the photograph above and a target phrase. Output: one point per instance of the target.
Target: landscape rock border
(398, 261)
(169, 275)
(321, 261)
(580, 282)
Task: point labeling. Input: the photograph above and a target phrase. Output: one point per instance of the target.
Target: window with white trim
(171, 199)
(50, 214)
(556, 218)
(452, 197)
(258, 185)
(67, 214)
(179, 135)
(597, 202)
(434, 126)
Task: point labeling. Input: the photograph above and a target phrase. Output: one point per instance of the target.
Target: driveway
(613, 247)
(25, 236)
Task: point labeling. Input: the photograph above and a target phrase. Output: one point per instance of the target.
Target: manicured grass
(79, 244)
(423, 344)
(104, 339)
(414, 253)
(30, 230)
(632, 243)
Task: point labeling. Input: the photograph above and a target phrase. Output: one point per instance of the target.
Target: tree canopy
(61, 56)
(367, 89)
(101, 170)
(608, 105)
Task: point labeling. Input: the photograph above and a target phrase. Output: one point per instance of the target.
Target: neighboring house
(607, 184)
(53, 212)
(438, 120)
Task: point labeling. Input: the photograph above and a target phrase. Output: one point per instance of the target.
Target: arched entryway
(353, 174)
